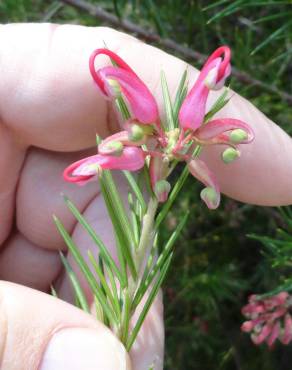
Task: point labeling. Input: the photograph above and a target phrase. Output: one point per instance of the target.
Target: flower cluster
(146, 140)
(269, 319)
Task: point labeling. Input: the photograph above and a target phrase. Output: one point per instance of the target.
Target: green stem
(145, 244)
(147, 233)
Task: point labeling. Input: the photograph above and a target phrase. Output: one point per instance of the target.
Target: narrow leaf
(136, 190)
(148, 303)
(167, 103)
(85, 270)
(119, 218)
(180, 96)
(104, 284)
(97, 241)
(75, 284)
(217, 106)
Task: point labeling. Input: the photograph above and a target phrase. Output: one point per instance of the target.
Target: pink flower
(131, 159)
(269, 319)
(212, 77)
(111, 80)
(142, 135)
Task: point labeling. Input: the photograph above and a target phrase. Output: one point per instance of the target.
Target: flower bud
(238, 135)
(230, 154)
(136, 133)
(161, 190)
(210, 197)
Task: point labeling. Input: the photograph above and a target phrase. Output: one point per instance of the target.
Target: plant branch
(169, 44)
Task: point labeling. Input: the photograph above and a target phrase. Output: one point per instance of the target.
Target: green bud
(230, 154)
(210, 197)
(114, 148)
(136, 133)
(238, 135)
(115, 87)
(161, 190)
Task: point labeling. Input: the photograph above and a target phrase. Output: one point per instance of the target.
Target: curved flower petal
(192, 111)
(224, 69)
(211, 194)
(118, 60)
(213, 131)
(132, 159)
(78, 179)
(141, 101)
(211, 77)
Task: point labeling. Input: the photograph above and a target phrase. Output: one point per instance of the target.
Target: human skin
(50, 111)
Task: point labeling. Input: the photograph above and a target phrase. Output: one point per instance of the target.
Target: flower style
(269, 319)
(145, 140)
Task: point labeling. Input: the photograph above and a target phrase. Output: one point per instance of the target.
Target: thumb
(41, 332)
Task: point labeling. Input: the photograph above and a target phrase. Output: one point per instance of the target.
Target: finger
(53, 79)
(53, 336)
(25, 263)
(39, 196)
(11, 159)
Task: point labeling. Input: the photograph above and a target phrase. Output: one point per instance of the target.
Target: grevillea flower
(122, 79)
(131, 159)
(143, 135)
(269, 319)
(213, 75)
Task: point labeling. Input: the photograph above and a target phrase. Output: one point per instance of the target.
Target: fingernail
(80, 349)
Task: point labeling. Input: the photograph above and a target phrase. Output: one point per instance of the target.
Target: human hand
(50, 111)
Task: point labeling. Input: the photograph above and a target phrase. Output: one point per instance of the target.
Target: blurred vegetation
(216, 265)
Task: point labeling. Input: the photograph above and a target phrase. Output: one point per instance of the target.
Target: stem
(145, 243)
(147, 233)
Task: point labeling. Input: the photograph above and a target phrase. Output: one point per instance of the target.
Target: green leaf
(104, 284)
(136, 190)
(218, 105)
(113, 286)
(75, 284)
(120, 221)
(271, 37)
(86, 271)
(136, 223)
(167, 103)
(126, 316)
(181, 93)
(148, 303)
(97, 241)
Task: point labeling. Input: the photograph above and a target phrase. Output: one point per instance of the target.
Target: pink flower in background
(269, 319)
(144, 136)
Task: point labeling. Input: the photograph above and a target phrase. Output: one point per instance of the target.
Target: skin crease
(50, 111)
